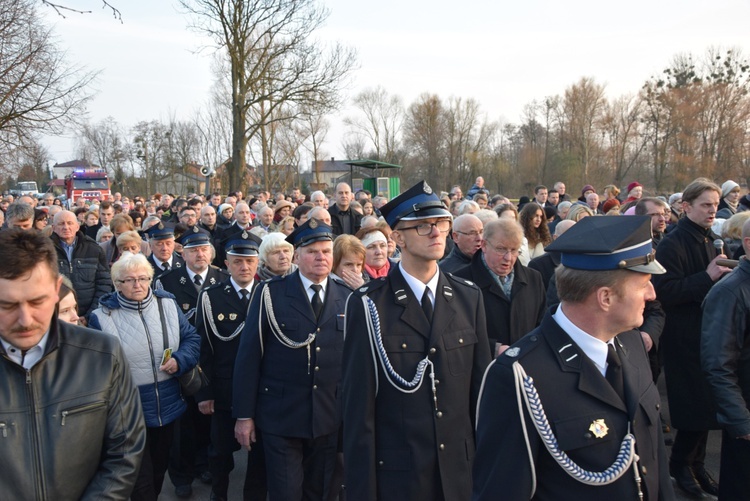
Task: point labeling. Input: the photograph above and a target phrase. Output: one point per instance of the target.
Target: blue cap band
(600, 262)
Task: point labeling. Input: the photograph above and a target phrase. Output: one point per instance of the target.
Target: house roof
(77, 163)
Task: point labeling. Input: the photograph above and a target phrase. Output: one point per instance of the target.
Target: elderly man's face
(66, 225)
(162, 248)
(319, 200)
(266, 216)
(27, 305)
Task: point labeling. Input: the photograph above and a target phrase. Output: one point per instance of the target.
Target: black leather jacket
(71, 427)
(725, 348)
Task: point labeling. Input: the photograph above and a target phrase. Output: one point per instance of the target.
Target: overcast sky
(504, 56)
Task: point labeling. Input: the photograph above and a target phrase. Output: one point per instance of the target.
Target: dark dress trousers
(574, 395)
(406, 446)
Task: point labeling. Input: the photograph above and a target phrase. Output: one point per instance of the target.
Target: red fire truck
(88, 184)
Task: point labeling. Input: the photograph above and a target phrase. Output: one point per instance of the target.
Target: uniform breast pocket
(340, 322)
(459, 350)
(289, 325)
(584, 431)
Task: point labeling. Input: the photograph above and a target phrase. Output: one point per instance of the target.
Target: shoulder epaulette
(461, 281)
(370, 286)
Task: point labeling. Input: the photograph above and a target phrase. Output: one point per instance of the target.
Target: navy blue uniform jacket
(272, 383)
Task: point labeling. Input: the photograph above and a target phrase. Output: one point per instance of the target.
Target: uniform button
(318, 329)
(533, 338)
(265, 389)
(283, 325)
(439, 414)
(658, 406)
(315, 387)
(587, 435)
(437, 382)
(460, 340)
(380, 463)
(317, 368)
(442, 447)
(403, 346)
(432, 351)
(317, 348)
(644, 470)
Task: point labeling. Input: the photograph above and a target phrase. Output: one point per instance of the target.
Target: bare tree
(104, 144)
(378, 122)
(273, 63)
(40, 92)
(582, 107)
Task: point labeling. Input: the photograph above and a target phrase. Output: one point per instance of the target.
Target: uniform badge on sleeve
(512, 352)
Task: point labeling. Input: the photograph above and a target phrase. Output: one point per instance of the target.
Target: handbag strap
(163, 323)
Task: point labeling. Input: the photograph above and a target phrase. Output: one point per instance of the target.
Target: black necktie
(614, 371)
(427, 304)
(245, 297)
(165, 266)
(317, 303)
(197, 280)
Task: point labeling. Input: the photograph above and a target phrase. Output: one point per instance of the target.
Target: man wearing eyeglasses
(513, 294)
(660, 214)
(467, 235)
(415, 350)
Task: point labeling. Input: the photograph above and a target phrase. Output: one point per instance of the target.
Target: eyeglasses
(425, 229)
(473, 233)
(503, 251)
(131, 281)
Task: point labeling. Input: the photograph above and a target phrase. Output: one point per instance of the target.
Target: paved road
(203, 492)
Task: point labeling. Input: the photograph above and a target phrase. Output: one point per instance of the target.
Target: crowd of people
(347, 342)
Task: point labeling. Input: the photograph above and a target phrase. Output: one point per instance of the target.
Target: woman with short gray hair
(160, 345)
(275, 257)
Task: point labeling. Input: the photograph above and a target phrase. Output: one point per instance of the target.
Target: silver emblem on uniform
(185, 306)
(362, 289)
(313, 223)
(232, 316)
(426, 188)
(512, 352)
(183, 280)
(220, 316)
(212, 280)
(244, 235)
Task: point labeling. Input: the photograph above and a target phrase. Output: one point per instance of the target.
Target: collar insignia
(447, 292)
(178, 264)
(232, 316)
(244, 235)
(183, 280)
(212, 280)
(599, 428)
(512, 352)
